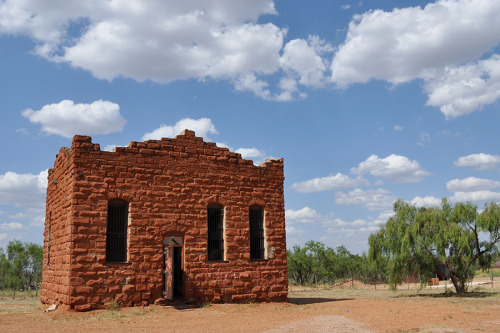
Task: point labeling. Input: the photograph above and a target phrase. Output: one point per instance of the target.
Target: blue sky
(367, 101)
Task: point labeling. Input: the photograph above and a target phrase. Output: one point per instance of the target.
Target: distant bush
(315, 263)
(21, 266)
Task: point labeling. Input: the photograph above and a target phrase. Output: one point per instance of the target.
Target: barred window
(116, 232)
(215, 215)
(256, 232)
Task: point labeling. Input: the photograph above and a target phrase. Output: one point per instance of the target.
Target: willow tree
(415, 241)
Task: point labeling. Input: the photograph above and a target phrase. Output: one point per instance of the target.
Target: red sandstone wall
(168, 185)
(57, 235)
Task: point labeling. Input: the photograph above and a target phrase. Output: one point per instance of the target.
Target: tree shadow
(314, 300)
(448, 294)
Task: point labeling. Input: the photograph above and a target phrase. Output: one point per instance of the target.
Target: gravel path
(321, 324)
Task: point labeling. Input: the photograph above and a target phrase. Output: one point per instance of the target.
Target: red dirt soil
(307, 311)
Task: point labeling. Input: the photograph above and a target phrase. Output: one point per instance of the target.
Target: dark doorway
(177, 272)
(173, 273)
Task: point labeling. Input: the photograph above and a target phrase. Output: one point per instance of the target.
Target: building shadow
(314, 300)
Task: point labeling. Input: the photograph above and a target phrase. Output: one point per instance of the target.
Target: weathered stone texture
(168, 184)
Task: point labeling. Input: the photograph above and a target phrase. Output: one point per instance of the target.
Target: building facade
(162, 219)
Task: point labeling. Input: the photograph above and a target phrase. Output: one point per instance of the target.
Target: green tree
(315, 263)
(312, 263)
(417, 240)
(374, 271)
(300, 266)
(18, 258)
(35, 259)
(4, 270)
(22, 266)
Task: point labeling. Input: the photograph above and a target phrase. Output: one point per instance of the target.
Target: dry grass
(408, 309)
(361, 291)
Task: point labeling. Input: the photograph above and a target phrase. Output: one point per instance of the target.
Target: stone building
(160, 220)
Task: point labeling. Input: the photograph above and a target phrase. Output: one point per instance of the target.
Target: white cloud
(109, 147)
(475, 196)
(291, 230)
(248, 153)
(303, 59)
(461, 90)
(67, 118)
(398, 128)
(18, 216)
(250, 82)
(12, 227)
(157, 40)
(429, 201)
(482, 161)
(394, 168)
(23, 190)
(202, 127)
(346, 6)
(304, 215)
(431, 43)
(378, 199)
(332, 182)
(471, 184)
(167, 40)
(338, 226)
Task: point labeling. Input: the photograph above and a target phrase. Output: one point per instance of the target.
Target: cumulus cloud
(67, 118)
(394, 168)
(443, 43)
(304, 215)
(429, 201)
(461, 90)
(303, 59)
(348, 228)
(377, 199)
(23, 190)
(12, 227)
(481, 161)
(249, 153)
(164, 41)
(471, 184)
(291, 230)
(332, 182)
(434, 43)
(475, 196)
(202, 127)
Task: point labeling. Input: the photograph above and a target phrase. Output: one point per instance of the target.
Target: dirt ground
(357, 309)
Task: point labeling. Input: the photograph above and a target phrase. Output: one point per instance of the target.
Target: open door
(173, 267)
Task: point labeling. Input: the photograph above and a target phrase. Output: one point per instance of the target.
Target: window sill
(217, 261)
(117, 263)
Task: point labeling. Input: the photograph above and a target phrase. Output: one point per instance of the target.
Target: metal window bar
(256, 233)
(116, 233)
(215, 216)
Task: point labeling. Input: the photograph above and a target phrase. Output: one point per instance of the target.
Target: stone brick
(168, 184)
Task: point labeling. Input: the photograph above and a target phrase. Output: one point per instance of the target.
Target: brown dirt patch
(309, 310)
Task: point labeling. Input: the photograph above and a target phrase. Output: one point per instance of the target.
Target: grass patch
(327, 292)
(112, 304)
(19, 305)
(204, 305)
(486, 273)
(8, 293)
